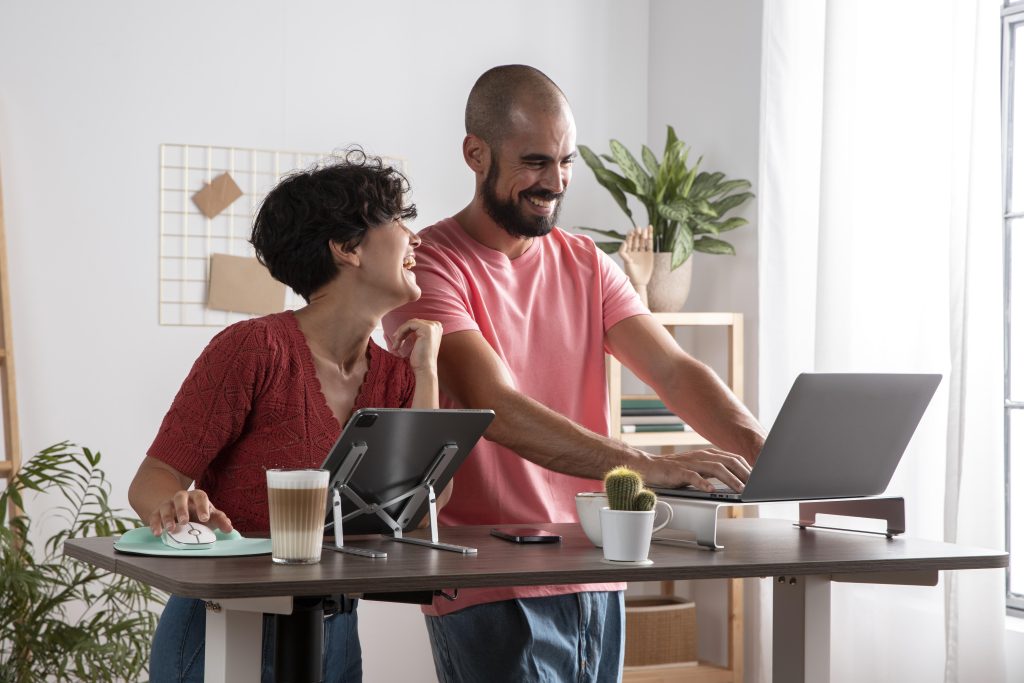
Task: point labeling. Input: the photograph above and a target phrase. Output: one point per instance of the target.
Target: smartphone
(525, 535)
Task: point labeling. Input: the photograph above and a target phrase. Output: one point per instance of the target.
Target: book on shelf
(652, 420)
(676, 427)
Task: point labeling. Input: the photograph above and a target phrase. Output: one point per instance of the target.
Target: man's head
(336, 202)
(521, 142)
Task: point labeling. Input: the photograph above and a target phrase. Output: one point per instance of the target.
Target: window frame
(1012, 17)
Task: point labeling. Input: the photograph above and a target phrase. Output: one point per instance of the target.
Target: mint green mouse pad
(141, 541)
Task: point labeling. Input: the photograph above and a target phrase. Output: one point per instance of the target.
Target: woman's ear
(342, 256)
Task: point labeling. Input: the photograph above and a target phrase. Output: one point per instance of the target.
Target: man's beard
(507, 214)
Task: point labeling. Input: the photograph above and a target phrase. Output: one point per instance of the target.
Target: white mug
(588, 509)
(626, 534)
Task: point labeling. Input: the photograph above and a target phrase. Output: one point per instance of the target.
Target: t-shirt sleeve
(445, 295)
(212, 406)
(620, 299)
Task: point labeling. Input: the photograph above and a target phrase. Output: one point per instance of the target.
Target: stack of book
(649, 415)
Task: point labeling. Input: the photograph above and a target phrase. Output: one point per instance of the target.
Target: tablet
(400, 447)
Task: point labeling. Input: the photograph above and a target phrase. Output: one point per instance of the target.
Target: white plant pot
(668, 289)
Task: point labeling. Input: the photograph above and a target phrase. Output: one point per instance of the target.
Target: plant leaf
(721, 188)
(670, 139)
(589, 157)
(710, 245)
(607, 233)
(683, 246)
(650, 161)
(631, 169)
(731, 202)
(730, 223)
(677, 211)
(608, 247)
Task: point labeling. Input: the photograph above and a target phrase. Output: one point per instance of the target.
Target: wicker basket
(660, 630)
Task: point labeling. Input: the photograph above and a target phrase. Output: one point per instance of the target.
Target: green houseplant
(686, 207)
(62, 619)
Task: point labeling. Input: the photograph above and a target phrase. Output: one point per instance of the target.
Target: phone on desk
(525, 535)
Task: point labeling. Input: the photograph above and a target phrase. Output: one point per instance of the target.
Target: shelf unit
(702, 672)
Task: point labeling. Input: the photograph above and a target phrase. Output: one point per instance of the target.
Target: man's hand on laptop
(693, 468)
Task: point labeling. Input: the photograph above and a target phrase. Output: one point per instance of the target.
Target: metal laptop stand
(700, 517)
(414, 497)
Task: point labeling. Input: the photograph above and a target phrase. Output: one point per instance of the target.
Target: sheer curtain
(880, 250)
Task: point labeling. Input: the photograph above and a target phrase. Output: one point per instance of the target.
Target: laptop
(837, 436)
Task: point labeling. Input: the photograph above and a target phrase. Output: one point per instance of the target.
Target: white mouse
(189, 536)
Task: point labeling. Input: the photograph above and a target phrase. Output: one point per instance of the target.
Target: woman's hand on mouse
(184, 506)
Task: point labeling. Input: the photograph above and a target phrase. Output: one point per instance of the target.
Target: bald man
(528, 311)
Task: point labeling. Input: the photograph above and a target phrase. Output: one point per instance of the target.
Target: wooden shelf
(702, 672)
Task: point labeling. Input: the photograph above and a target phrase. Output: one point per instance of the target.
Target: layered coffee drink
(298, 503)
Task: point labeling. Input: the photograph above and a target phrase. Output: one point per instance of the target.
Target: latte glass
(298, 505)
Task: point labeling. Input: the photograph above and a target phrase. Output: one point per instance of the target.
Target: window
(1013, 316)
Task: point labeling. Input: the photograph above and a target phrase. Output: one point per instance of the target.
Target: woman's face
(386, 259)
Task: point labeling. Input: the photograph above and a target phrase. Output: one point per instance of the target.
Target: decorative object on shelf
(628, 521)
(685, 208)
(660, 630)
(44, 635)
(637, 254)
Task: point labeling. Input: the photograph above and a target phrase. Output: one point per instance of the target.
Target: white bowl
(588, 509)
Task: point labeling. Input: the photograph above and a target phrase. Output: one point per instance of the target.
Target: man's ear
(477, 154)
(343, 256)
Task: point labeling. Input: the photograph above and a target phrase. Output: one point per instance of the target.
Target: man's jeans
(576, 637)
(179, 645)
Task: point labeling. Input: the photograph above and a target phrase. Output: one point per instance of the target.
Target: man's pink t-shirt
(545, 314)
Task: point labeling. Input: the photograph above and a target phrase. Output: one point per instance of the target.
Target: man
(528, 311)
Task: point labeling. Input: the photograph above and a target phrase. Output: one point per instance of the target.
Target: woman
(274, 392)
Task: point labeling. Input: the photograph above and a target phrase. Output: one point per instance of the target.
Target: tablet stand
(414, 498)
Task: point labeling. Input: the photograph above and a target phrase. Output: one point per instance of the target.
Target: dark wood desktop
(804, 563)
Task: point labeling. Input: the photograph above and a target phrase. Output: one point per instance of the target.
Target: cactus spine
(626, 492)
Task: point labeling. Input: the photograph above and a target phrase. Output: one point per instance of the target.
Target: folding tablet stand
(415, 496)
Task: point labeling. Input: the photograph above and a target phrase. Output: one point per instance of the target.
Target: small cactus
(644, 500)
(622, 485)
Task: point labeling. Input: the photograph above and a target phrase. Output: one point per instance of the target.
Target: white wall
(705, 80)
(88, 91)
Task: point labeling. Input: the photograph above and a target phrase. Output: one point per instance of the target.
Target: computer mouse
(189, 536)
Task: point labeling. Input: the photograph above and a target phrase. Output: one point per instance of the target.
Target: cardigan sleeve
(212, 406)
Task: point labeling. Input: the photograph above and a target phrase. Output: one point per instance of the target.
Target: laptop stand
(700, 517)
(414, 498)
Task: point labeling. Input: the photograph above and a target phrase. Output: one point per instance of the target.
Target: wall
(88, 91)
(705, 80)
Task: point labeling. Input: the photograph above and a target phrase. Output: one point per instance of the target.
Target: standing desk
(803, 564)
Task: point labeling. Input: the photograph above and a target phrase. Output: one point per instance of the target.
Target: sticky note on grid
(217, 195)
(243, 285)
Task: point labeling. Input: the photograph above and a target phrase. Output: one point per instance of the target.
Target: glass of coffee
(298, 505)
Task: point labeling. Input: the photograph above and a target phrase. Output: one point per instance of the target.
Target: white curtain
(880, 250)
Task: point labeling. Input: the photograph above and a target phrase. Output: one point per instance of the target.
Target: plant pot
(668, 289)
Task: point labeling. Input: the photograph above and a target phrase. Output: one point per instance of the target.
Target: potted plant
(61, 619)
(686, 207)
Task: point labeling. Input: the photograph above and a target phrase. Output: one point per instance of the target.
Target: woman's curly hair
(334, 201)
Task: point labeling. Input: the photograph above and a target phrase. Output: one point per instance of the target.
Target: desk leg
(234, 632)
(801, 616)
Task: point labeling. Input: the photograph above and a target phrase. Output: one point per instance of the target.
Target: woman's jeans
(179, 645)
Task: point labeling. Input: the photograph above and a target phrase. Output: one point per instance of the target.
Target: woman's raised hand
(418, 340)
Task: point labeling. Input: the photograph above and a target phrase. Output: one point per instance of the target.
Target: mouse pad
(141, 541)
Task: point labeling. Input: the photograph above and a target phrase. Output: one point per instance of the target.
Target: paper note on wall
(243, 285)
(217, 195)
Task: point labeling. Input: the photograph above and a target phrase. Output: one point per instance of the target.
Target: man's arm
(689, 388)
(473, 374)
